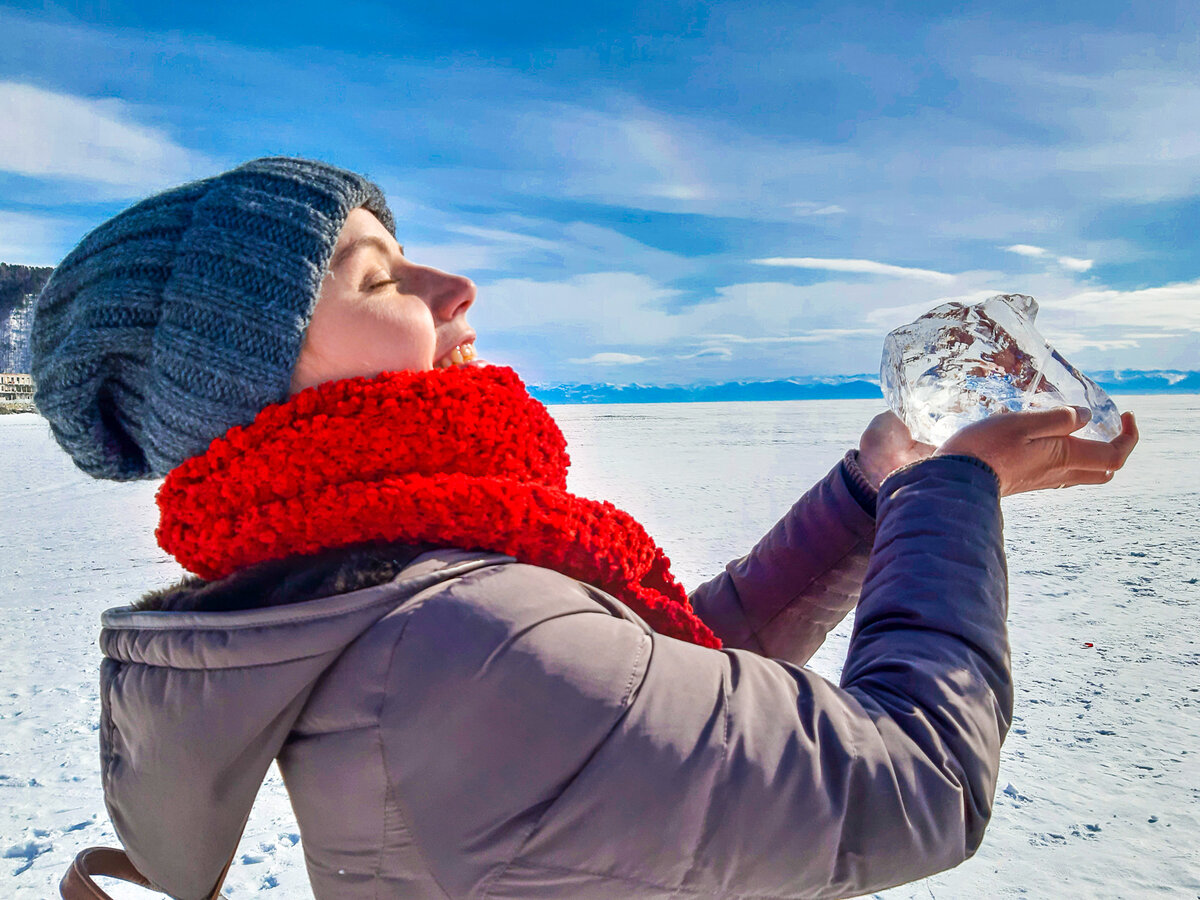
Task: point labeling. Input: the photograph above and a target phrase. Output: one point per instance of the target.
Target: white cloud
(858, 266)
(629, 154)
(52, 135)
(1074, 264)
(815, 336)
(675, 191)
(1071, 263)
(809, 208)
(1129, 129)
(708, 353)
(497, 246)
(1172, 307)
(1070, 343)
(502, 236)
(776, 329)
(612, 359)
(459, 257)
(1026, 250)
(601, 308)
(33, 240)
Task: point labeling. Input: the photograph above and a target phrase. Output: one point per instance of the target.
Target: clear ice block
(960, 363)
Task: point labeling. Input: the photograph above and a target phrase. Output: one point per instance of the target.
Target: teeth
(463, 353)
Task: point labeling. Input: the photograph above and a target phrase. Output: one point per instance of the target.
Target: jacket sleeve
(729, 774)
(802, 578)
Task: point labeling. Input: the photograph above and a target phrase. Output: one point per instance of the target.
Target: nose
(447, 295)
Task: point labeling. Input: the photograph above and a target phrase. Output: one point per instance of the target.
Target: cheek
(369, 337)
(396, 333)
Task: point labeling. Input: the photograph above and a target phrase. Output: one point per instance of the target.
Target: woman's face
(378, 312)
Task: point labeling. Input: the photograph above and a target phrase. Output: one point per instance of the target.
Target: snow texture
(1099, 790)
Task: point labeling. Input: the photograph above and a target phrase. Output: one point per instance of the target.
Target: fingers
(1128, 437)
(1087, 476)
(1122, 445)
(1061, 420)
(1093, 462)
(1038, 449)
(1083, 454)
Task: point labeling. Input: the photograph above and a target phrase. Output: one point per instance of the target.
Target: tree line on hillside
(19, 286)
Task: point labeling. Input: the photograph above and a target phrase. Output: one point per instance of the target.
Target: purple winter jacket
(478, 728)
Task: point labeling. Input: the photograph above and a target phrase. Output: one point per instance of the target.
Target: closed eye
(375, 278)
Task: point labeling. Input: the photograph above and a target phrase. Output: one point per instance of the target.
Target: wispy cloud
(610, 213)
(1070, 343)
(599, 308)
(33, 239)
(54, 135)
(1074, 264)
(1127, 126)
(1070, 263)
(809, 208)
(611, 359)
(501, 236)
(723, 353)
(857, 266)
(1027, 250)
(811, 337)
(1172, 307)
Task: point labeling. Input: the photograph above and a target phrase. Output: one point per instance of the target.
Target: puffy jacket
(477, 727)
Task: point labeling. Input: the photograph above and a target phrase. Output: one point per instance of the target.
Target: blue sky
(667, 193)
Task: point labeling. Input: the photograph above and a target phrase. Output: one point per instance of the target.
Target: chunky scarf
(459, 457)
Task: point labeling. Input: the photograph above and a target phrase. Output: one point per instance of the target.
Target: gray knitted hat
(184, 315)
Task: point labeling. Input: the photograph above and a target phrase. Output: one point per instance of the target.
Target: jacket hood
(196, 704)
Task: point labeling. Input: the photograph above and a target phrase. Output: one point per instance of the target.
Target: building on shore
(16, 388)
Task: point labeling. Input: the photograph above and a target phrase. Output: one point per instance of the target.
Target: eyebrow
(357, 244)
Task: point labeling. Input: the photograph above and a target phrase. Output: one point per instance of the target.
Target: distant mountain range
(847, 387)
(836, 388)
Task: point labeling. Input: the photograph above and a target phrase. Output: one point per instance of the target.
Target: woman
(475, 683)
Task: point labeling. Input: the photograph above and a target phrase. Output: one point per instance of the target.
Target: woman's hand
(1035, 450)
(886, 445)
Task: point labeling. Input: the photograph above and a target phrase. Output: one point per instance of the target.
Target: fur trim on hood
(293, 580)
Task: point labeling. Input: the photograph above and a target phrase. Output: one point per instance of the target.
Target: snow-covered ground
(1099, 793)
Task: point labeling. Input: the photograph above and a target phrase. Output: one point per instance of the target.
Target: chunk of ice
(961, 363)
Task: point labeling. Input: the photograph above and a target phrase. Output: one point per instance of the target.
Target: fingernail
(1083, 414)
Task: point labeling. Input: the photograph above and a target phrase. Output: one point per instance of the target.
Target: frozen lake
(1099, 791)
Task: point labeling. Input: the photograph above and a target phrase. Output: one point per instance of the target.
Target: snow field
(1099, 790)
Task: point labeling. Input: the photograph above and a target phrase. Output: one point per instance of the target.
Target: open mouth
(461, 355)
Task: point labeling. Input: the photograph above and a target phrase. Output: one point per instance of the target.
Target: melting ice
(960, 363)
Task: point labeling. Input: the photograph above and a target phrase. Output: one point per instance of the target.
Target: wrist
(972, 458)
(871, 471)
(861, 489)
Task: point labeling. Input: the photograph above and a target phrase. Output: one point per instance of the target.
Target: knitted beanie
(184, 315)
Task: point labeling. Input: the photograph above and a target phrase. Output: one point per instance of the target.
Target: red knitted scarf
(459, 457)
